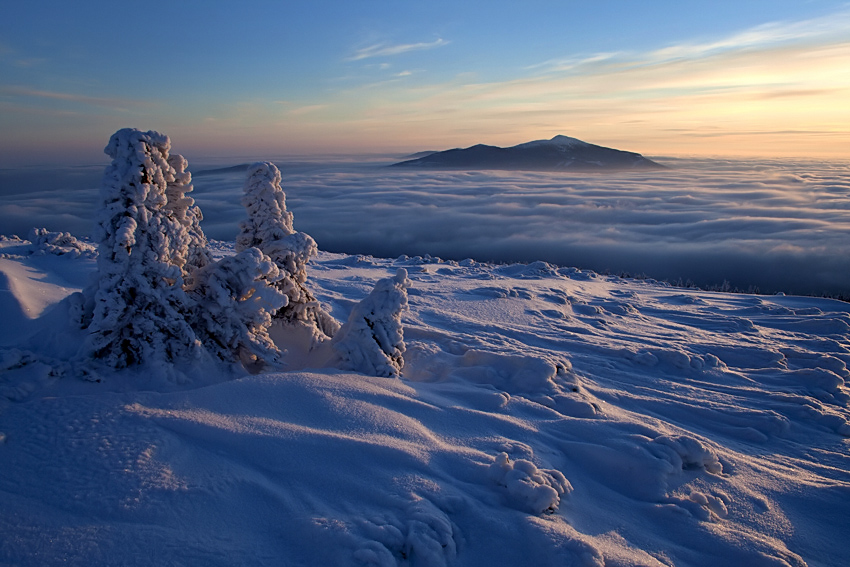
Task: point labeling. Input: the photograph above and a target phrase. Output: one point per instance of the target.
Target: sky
(263, 79)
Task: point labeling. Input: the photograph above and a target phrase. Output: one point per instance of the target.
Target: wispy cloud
(306, 109)
(385, 50)
(27, 92)
(571, 63)
(765, 36)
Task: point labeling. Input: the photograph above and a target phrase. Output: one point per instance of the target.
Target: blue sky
(264, 79)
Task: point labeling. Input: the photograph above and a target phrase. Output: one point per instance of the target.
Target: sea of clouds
(776, 225)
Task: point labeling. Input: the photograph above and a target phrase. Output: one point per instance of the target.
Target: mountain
(421, 154)
(561, 153)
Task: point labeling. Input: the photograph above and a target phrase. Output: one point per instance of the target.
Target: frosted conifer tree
(269, 228)
(372, 341)
(192, 254)
(137, 306)
(235, 298)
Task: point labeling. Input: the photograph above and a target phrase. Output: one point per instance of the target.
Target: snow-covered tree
(137, 308)
(235, 298)
(372, 340)
(268, 220)
(269, 227)
(192, 254)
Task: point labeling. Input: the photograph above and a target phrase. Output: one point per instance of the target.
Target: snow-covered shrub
(192, 254)
(235, 298)
(269, 228)
(59, 243)
(138, 306)
(372, 340)
(528, 487)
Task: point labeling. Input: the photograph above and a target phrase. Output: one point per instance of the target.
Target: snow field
(543, 416)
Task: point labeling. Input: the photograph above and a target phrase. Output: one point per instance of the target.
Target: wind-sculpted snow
(543, 416)
(779, 225)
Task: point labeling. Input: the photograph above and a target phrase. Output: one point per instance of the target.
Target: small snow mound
(426, 259)
(822, 383)
(685, 453)
(512, 373)
(424, 537)
(528, 487)
(22, 373)
(714, 505)
(59, 243)
(534, 270)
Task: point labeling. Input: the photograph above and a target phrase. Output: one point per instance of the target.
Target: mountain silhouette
(561, 153)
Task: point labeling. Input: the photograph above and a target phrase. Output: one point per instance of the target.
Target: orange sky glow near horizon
(778, 88)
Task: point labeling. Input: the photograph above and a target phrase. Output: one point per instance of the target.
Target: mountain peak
(562, 140)
(560, 153)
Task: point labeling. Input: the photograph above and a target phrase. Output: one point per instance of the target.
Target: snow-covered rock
(528, 487)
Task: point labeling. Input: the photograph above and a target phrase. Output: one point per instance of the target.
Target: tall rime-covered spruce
(138, 306)
(269, 228)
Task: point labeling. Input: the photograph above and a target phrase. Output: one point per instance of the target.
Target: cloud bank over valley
(776, 225)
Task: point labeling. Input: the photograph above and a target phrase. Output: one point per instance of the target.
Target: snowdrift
(543, 416)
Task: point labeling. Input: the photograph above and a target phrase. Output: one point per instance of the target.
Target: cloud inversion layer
(778, 225)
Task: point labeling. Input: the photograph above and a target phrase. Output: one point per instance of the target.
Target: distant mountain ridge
(561, 153)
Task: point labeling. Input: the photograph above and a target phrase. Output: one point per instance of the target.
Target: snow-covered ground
(545, 416)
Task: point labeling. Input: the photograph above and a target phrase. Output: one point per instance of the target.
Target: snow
(560, 140)
(234, 299)
(542, 416)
